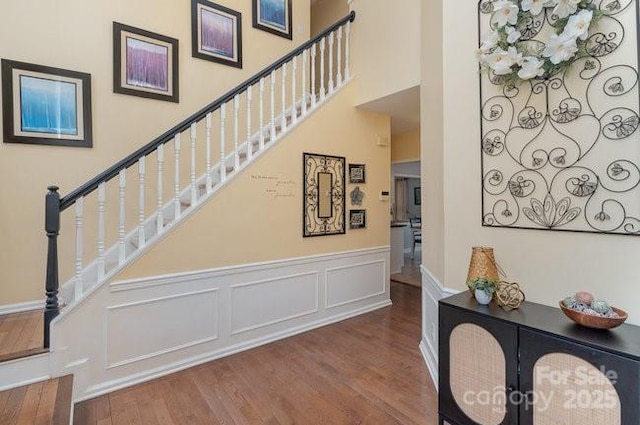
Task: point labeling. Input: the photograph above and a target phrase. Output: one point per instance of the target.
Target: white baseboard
(432, 292)
(20, 307)
(24, 371)
(213, 313)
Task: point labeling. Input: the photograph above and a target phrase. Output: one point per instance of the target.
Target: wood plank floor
(42, 403)
(366, 370)
(21, 334)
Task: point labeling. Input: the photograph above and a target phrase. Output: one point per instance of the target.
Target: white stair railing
(117, 245)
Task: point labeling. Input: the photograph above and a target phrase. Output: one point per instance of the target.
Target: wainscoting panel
(356, 282)
(139, 330)
(263, 303)
(128, 332)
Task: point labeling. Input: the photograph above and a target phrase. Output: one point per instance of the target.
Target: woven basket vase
(482, 264)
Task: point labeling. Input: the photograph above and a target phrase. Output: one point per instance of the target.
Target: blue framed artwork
(145, 64)
(46, 106)
(273, 16)
(216, 33)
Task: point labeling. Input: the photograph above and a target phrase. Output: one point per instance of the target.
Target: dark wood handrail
(167, 136)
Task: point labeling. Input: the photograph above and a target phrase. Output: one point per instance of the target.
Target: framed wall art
(45, 106)
(273, 16)
(357, 219)
(145, 64)
(216, 33)
(324, 195)
(356, 173)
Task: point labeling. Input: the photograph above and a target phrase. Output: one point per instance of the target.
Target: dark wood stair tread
(46, 402)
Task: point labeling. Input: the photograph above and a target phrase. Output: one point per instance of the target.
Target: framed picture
(144, 63)
(417, 197)
(45, 106)
(273, 16)
(216, 33)
(357, 219)
(356, 173)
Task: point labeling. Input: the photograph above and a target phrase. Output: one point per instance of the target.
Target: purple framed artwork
(216, 33)
(145, 64)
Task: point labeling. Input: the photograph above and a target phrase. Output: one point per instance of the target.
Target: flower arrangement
(509, 51)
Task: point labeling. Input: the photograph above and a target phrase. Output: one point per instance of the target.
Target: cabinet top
(623, 340)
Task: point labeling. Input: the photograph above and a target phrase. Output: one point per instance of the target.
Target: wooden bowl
(596, 322)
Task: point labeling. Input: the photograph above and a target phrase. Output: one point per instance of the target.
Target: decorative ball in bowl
(586, 311)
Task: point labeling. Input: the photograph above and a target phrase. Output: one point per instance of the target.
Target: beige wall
(548, 265)
(77, 35)
(405, 146)
(432, 139)
(247, 222)
(386, 47)
(326, 12)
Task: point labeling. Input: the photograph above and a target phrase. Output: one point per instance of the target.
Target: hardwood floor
(42, 403)
(21, 334)
(366, 370)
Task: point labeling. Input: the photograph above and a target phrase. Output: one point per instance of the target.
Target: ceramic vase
(482, 297)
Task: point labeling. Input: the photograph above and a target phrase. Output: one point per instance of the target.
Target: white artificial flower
(565, 8)
(531, 68)
(560, 48)
(505, 12)
(501, 61)
(536, 6)
(512, 34)
(578, 25)
(489, 41)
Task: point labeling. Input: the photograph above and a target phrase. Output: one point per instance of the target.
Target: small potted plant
(483, 289)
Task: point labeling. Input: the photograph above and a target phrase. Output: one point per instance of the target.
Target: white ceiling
(403, 107)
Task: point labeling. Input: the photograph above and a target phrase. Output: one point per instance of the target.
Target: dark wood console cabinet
(533, 366)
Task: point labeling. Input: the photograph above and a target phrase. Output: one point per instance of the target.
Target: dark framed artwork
(216, 33)
(417, 197)
(273, 16)
(45, 106)
(324, 195)
(357, 219)
(356, 173)
(145, 64)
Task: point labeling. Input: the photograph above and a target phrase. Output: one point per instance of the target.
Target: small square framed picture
(45, 106)
(145, 64)
(357, 219)
(356, 173)
(273, 16)
(216, 33)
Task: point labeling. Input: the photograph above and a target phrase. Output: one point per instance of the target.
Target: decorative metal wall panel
(324, 195)
(563, 153)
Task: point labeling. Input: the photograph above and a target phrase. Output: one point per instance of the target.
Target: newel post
(52, 227)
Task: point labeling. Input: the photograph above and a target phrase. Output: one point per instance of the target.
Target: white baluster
(223, 156)
(194, 186)
(339, 67)
(79, 248)
(141, 196)
(208, 159)
(284, 98)
(322, 49)
(294, 109)
(305, 57)
(176, 178)
(160, 212)
(273, 106)
(313, 75)
(261, 142)
(347, 58)
(122, 185)
(101, 209)
(331, 82)
(249, 141)
(236, 132)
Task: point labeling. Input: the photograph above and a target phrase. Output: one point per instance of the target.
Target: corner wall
(77, 35)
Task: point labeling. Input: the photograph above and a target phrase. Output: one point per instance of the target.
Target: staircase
(127, 209)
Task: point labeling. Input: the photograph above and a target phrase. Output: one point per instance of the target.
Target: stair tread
(47, 401)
